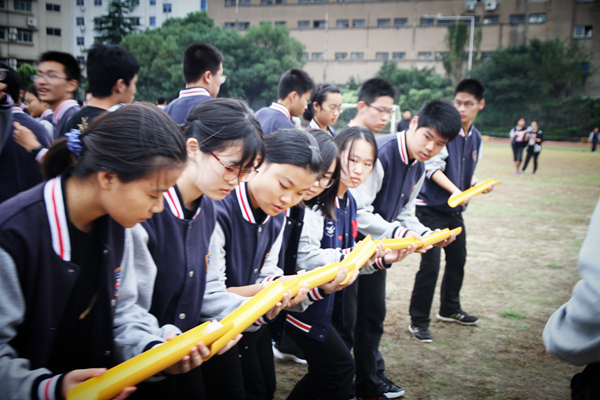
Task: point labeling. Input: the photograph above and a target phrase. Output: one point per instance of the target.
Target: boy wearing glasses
(293, 91)
(203, 75)
(57, 81)
(448, 174)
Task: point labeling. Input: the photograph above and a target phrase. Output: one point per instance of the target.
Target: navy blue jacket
(179, 248)
(188, 99)
(462, 157)
(273, 118)
(62, 114)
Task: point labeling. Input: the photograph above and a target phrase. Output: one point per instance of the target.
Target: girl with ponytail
(324, 108)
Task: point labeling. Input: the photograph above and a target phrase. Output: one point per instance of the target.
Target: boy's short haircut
(69, 63)
(374, 88)
(199, 58)
(471, 86)
(294, 80)
(441, 115)
(12, 81)
(106, 64)
(161, 100)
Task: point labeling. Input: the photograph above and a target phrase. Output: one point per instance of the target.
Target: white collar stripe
(313, 124)
(55, 208)
(46, 112)
(402, 146)
(244, 203)
(462, 132)
(62, 109)
(281, 108)
(173, 202)
(17, 109)
(193, 92)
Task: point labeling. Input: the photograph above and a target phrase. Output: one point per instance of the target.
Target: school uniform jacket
(386, 200)
(169, 277)
(314, 125)
(273, 118)
(62, 114)
(19, 170)
(36, 279)
(457, 161)
(188, 99)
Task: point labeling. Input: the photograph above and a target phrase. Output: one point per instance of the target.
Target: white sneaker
(286, 356)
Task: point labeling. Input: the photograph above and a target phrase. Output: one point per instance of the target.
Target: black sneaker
(382, 397)
(462, 317)
(421, 334)
(390, 389)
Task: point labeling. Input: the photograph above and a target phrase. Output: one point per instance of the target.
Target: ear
(192, 147)
(361, 105)
(119, 87)
(293, 96)
(414, 123)
(481, 104)
(106, 180)
(72, 86)
(316, 106)
(207, 76)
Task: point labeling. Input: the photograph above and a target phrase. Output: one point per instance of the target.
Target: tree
(456, 39)
(114, 26)
(25, 71)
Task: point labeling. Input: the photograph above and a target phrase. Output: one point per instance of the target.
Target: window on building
(243, 26)
(134, 20)
(280, 1)
(383, 22)
(320, 1)
(585, 1)
(80, 41)
(52, 7)
(280, 23)
(319, 24)
(22, 5)
(398, 55)
(79, 2)
(24, 35)
(517, 19)
(152, 2)
(318, 56)
(152, 21)
(491, 19)
(440, 55)
(486, 55)
(2, 33)
(229, 25)
(341, 56)
(382, 56)
(2, 5)
(303, 24)
(136, 2)
(342, 23)
(400, 22)
(53, 31)
(446, 22)
(357, 55)
(97, 2)
(167, 7)
(424, 55)
(204, 5)
(358, 23)
(304, 56)
(537, 18)
(266, 1)
(80, 60)
(304, 1)
(427, 21)
(80, 21)
(582, 31)
(96, 21)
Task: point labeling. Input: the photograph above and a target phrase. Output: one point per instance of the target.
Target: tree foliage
(25, 71)
(456, 39)
(253, 63)
(118, 23)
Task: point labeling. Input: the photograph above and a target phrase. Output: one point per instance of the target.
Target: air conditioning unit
(490, 5)
(82, 27)
(31, 21)
(82, 8)
(470, 5)
(12, 62)
(12, 30)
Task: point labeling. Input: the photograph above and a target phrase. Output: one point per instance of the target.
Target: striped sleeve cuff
(270, 279)
(400, 232)
(40, 155)
(430, 173)
(263, 320)
(381, 264)
(344, 253)
(316, 294)
(48, 387)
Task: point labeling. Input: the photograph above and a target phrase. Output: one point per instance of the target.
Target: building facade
(346, 38)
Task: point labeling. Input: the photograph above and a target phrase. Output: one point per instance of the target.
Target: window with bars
(24, 35)
(80, 41)
(318, 56)
(53, 31)
(358, 23)
(342, 23)
(341, 56)
(53, 7)
(357, 55)
(22, 5)
(400, 22)
(383, 22)
(398, 55)
(382, 56)
(582, 32)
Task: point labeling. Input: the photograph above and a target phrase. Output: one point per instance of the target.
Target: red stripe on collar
(462, 132)
(402, 146)
(173, 202)
(241, 192)
(63, 108)
(46, 112)
(55, 209)
(193, 92)
(17, 109)
(313, 124)
(281, 108)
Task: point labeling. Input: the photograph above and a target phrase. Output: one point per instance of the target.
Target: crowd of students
(526, 137)
(123, 225)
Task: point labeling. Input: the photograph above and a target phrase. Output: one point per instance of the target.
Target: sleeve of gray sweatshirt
(135, 329)
(573, 332)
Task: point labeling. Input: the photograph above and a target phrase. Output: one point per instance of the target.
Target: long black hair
(131, 142)
(295, 147)
(217, 123)
(319, 96)
(348, 137)
(325, 202)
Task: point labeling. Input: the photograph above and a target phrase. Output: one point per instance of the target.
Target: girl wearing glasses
(223, 143)
(324, 108)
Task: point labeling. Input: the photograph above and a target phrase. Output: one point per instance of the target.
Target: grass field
(523, 242)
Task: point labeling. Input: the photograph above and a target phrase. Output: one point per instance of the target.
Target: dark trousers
(223, 379)
(531, 153)
(181, 387)
(364, 313)
(594, 144)
(517, 148)
(330, 367)
(258, 365)
(586, 385)
(425, 281)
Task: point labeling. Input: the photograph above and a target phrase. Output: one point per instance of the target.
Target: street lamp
(460, 17)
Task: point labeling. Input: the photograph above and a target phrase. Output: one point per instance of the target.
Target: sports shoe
(462, 317)
(382, 397)
(421, 334)
(286, 356)
(390, 389)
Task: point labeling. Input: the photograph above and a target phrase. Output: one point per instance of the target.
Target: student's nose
(158, 205)
(430, 145)
(358, 168)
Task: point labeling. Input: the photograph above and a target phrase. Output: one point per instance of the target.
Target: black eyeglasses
(235, 173)
(325, 182)
(387, 111)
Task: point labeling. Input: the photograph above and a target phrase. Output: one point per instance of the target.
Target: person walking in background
(594, 135)
(161, 102)
(403, 125)
(519, 137)
(534, 146)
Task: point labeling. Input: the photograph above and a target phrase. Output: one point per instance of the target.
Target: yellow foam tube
(316, 277)
(147, 364)
(397, 244)
(475, 190)
(350, 260)
(360, 256)
(438, 237)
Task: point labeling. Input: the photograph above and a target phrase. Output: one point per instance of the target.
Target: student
(534, 146)
(112, 77)
(594, 137)
(448, 174)
(294, 89)
(39, 110)
(57, 80)
(64, 246)
(403, 125)
(203, 75)
(375, 104)
(224, 142)
(19, 169)
(519, 136)
(244, 249)
(161, 102)
(324, 108)
(386, 209)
